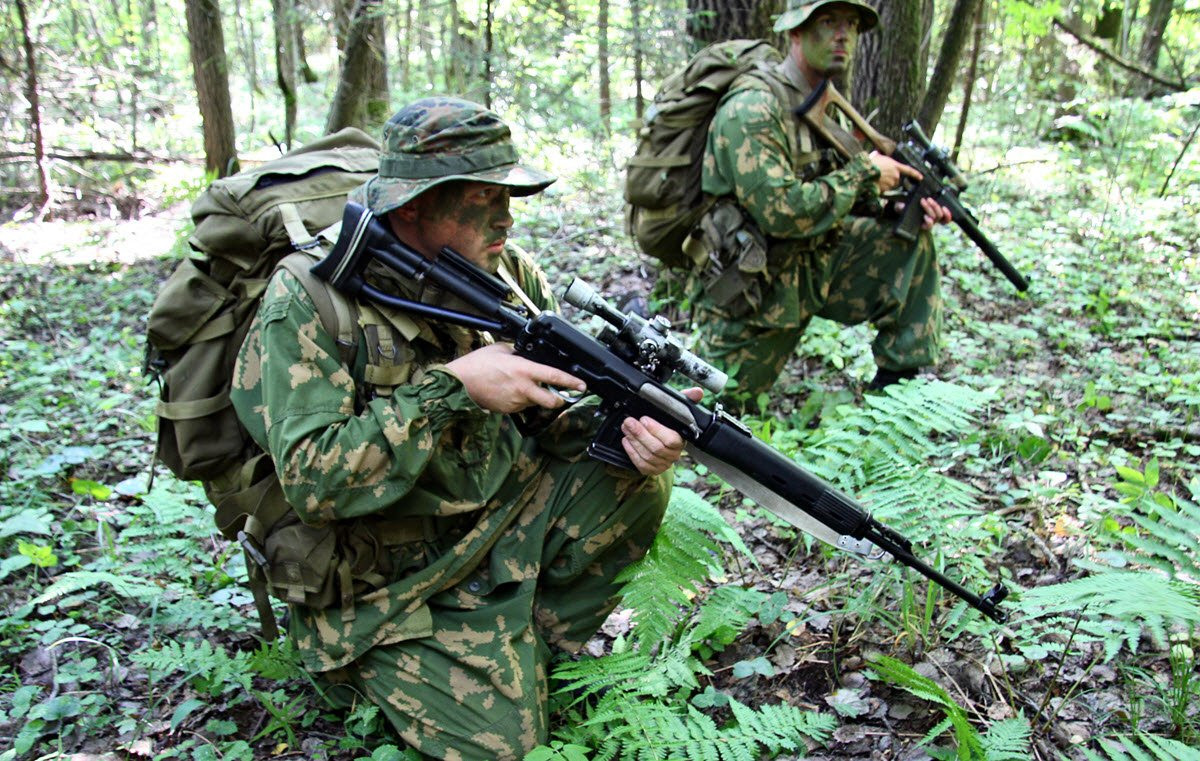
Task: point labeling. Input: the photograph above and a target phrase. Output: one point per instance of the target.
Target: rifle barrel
(966, 222)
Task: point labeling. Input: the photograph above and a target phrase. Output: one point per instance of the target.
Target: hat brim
(868, 16)
(384, 194)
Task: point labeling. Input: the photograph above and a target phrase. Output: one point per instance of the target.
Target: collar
(790, 72)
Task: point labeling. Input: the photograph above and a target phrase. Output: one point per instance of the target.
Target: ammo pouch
(315, 566)
(732, 256)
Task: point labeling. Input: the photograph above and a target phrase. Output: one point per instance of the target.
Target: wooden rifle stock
(826, 94)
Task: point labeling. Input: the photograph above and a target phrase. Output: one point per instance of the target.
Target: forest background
(1057, 449)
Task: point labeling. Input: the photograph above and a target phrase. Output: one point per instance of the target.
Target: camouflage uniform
(827, 251)
(475, 549)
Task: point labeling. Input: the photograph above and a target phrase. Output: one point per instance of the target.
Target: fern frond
(782, 726)
(220, 671)
(660, 585)
(1007, 740)
(1136, 748)
(903, 676)
(589, 676)
(1152, 599)
(75, 581)
(725, 612)
(1170, 542)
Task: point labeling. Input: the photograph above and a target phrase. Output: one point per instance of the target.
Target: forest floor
(1093, 380)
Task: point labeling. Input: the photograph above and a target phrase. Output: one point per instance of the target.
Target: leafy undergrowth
(1056, 451)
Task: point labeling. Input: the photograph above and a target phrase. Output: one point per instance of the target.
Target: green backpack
(663, 198)
(246, 225)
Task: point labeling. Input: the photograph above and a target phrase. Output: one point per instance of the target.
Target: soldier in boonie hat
(435, 140)
(799, 11)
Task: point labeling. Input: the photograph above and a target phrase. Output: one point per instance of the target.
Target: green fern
(632, 704)
(881, 451)
(1005, 741)
(725, 612)
(209, 669)
(76, 581)
(1168, 541)
(1128, 601)
(901, 427)
(902, 675)
(1122, 604)
(891, 454)
(660, 586)
(662, 730)
(1141, 747)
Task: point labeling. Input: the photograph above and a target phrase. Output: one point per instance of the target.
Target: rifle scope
(647, 343)
(936, 155)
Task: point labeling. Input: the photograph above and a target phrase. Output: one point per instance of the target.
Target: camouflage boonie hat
(435, 140)
(799, 11)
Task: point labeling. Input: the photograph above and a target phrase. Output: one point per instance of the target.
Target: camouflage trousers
(477, 688)
(868, 275)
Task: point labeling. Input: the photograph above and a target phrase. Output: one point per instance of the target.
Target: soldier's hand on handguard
(500, 381)
(650, 445)
(891, 174)
(935, 214)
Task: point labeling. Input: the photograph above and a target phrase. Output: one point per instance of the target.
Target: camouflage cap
(799, 11)
(435, 140)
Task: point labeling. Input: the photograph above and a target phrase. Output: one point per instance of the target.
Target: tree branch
(1122, 62)
(134, 158)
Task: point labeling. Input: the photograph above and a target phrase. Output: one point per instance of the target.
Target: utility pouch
(324, 566)
(198, 435)
(735, 254)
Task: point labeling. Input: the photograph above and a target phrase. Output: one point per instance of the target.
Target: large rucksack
(664, 201)
(246, 226)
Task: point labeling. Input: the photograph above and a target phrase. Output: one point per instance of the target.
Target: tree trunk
(889, 69)
(306, 71)
(378, 97)
(210, 71)
(602, 65)
(247, 39)
(150, 37)
(343, 17)
(962, 19)
(349, 107)
(715, 20)
(284, 13)
(35, 111)
(488, 40)
(428, 38)
(461, 54)
(639, 104)
(1156, 24)
(404, 41)
(969, 84)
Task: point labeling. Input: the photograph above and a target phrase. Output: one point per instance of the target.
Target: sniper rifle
(627, 366)
(941, 179)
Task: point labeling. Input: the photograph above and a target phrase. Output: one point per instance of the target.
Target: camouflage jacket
(422, 450)
(754, 155)
(761, 155)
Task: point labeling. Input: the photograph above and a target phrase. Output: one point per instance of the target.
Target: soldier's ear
(408, 212)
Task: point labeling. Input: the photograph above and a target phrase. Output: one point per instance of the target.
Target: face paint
(470, 217)
(826, 42)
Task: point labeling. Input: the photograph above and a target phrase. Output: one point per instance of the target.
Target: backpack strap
(511, 281)
(301, 238)
(338, 314)
(252, 510)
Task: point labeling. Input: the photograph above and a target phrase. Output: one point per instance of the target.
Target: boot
(885, 377)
